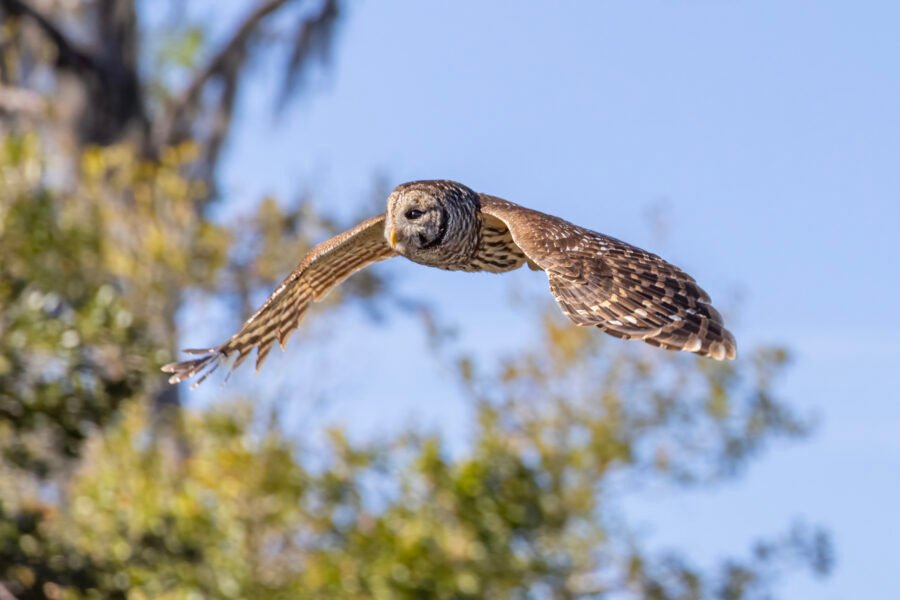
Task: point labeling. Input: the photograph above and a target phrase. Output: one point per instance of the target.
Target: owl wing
(320, 271)
(625, 291)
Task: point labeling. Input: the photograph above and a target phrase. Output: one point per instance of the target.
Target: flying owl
(597, 280)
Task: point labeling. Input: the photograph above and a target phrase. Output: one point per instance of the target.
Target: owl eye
(413, 214)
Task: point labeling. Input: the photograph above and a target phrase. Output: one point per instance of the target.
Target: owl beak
(393, 237)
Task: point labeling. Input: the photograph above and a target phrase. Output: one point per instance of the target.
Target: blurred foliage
(527, 511)
(84, 283)
(99, 500)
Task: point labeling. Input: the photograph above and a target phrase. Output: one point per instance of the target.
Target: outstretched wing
(322, 269)
(625, 291)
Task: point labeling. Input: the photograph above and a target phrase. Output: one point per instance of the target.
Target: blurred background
(431, 434)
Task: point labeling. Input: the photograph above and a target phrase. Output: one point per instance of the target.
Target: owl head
(432, 221)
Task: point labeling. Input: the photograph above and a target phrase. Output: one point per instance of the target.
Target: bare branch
(219, 64)
(313, 39)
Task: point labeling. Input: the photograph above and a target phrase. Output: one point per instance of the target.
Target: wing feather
(320, 271)
(603, 282)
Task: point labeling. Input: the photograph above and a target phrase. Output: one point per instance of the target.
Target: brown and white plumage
(623, 290)
(323, 268)
(597, 280)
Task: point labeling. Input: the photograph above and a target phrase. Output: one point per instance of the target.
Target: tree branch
(108, 74)
(21, 101)
(68, 55)
(312, 39)
(217, 65)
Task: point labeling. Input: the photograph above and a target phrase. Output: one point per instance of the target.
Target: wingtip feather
(203, 366)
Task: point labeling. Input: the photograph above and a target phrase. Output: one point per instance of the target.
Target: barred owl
(597, 280)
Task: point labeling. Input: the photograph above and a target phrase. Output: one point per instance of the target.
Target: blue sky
(767, 132)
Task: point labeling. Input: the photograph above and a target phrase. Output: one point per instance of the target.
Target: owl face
(416, 222)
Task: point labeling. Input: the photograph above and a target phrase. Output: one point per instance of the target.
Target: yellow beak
(393, 237)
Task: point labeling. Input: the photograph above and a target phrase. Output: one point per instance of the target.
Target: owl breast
(497, 252)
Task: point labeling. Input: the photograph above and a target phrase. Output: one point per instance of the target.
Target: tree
(100, 96)
(106, 179)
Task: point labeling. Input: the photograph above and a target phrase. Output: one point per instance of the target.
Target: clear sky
(769, 134)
